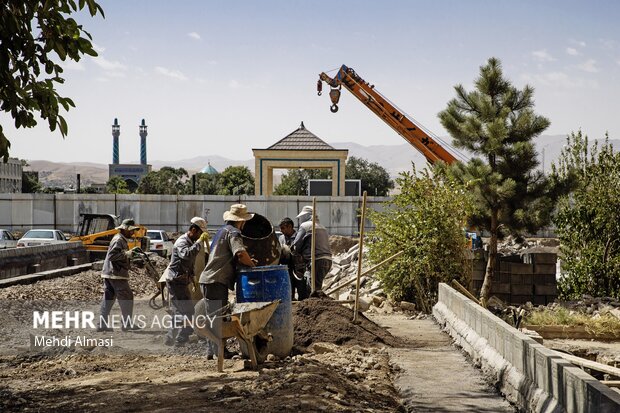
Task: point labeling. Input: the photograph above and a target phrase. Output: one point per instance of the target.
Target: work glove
(134, 252)
(204, 237)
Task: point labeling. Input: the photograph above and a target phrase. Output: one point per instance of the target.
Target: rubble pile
(512, 245)
(340, 284)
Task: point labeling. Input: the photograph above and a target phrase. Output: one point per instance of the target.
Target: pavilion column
(257, 175)
(335, 180)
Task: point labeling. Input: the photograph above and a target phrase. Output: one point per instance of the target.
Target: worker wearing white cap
(302, 250)
(180, 275)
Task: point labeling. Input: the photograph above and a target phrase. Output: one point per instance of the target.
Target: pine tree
(497, 124)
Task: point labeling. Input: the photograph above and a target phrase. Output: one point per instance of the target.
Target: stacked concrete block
(519, 278)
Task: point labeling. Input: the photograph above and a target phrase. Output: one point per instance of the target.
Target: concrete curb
(45, 275)
(531, 376)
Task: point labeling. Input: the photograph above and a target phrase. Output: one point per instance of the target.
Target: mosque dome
(208, 170)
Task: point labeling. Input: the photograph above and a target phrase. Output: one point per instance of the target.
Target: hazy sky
(222, 77)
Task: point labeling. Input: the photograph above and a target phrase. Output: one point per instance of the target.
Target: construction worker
(180, 275)
(200, 263)
(115, 274)
(227, 251)
(287, 227)
(302, 250)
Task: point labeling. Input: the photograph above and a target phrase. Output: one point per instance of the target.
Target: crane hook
(319, 87)
(334, 95)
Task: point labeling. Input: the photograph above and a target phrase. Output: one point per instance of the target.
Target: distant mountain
(394, 158)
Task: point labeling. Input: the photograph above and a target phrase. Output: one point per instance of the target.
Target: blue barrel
(270, 283)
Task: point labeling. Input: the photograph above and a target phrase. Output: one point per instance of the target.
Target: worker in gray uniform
(227, 251)
(302, 247)
(180, 275)
(287, 227)
(115, 274)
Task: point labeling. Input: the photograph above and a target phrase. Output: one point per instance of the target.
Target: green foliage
(166, 181)
(426, 220)
(295, 181)
(375, 178)
(236, 180)
(116, 185)
(588, 221)
(30, 30)
(30, 182)
(497, 124)
(206, 184)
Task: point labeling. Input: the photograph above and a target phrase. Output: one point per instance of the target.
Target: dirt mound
(325, 320)
(86, 286)
(339, 244)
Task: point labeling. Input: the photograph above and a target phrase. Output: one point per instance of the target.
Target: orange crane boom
(381, 107)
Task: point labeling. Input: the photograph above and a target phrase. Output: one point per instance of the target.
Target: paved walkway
(435, 375)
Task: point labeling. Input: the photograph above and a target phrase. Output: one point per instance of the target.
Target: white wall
(171, 212)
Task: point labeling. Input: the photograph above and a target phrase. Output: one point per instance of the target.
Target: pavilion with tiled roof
(301, 149)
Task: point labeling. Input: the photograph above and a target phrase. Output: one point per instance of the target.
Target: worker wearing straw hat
(227, 251)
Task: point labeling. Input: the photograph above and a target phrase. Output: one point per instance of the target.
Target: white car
(160, 242)
(7, 240)
(36, 237)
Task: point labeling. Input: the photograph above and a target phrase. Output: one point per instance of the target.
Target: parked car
(160, 242)
(36, 237)
(7, 240)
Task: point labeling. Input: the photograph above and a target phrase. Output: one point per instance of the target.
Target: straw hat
(200, 223)
(238, 212)
(128, 224)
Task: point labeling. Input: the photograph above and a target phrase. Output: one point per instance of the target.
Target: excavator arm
(381, 107)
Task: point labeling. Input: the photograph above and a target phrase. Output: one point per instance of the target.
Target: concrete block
(516, 279)
(544, 269)
(545, 289)
(522, 289)
(500, 288)
(521, 299)
(520, 268)
(544, 258)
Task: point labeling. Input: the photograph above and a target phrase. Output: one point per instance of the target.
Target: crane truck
(393, 116)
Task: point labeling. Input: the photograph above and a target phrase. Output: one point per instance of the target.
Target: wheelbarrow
(246, 322)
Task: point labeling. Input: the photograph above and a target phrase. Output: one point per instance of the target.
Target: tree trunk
(485, 291)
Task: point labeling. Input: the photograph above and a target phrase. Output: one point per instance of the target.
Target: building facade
(11, 176)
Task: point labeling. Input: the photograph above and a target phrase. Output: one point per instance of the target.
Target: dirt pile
(84, 286)
(350, 379)
(325, 320)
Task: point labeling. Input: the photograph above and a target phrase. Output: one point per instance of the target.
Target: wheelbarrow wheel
(260, 349)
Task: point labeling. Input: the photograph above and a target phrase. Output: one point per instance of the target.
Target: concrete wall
(20, 261)
(171, 212)
(530, 375)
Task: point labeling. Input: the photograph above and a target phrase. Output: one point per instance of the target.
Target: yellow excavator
(96, 232)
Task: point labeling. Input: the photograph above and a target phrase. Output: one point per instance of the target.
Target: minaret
(116, 132)
(143, 134)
